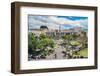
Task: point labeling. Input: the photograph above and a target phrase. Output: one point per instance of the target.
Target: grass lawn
(75, 43)
(84, 52)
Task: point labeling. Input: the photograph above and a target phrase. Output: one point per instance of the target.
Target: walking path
(58, 52)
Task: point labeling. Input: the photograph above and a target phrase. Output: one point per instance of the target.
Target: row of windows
(62, 33)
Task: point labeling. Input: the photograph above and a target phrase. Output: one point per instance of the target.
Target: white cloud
(53, 22)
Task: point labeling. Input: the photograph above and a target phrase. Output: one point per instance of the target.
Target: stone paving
(58, 51)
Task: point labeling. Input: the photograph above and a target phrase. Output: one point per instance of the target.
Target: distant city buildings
(55, 33)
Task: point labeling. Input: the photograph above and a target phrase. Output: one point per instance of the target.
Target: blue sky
(53, 22)
(73, 17)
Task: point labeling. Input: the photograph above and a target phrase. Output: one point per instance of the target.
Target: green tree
(83, 39)
(40, 46)
(70, 42)
(46, 45)
(32, 43)
(66, 44)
